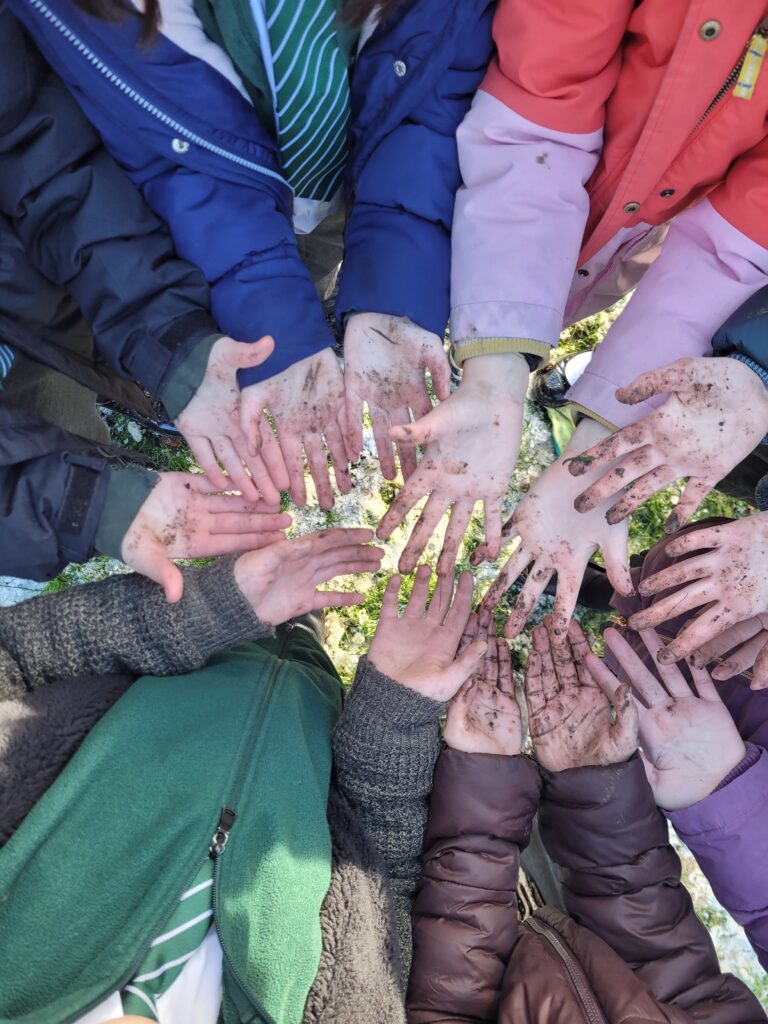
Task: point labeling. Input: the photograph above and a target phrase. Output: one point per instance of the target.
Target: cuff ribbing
(462, 349)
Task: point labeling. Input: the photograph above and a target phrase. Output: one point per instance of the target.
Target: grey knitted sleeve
(385, 747)
(123, 624)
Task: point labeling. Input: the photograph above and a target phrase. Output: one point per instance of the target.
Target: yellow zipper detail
(752, 63)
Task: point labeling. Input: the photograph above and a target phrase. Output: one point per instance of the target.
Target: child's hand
(418, 649)
(689, 742)
(570, 715)
(484, 717)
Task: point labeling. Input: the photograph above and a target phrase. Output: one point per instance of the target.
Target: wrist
(586, 434)
(507, 373)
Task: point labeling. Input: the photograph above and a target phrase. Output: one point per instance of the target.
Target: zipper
(220, 837)
(592, 1012)
(742, 88)
(143, 102)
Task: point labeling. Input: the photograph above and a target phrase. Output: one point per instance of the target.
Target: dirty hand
(556, 539)
(211, 425)
(471, 444)
(689, 740)
(385, 362)
(716, 413)
(281, 581)
(727, 579)
(181, 518)
(307, 403)
(484, 717)
(569, 705)
(418, 648)
(738, 650)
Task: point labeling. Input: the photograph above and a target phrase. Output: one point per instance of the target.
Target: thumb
(243, 354)
(423, 431)
(440, 372)
(149, 559)
(463, 667)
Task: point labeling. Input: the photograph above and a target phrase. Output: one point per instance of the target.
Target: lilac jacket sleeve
(705, 270)
(727, 833)
(518, 225)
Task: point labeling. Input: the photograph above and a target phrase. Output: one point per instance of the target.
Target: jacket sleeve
(86, 227)
(745, 332)
(621, 879)
(385, 747)
(704, 256)
(61, 499)
(397, 243)
(123, 625)
(527, 149)
(727, 833)
(465, 914)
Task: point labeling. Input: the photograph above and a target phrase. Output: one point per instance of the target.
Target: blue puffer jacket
(209, 168)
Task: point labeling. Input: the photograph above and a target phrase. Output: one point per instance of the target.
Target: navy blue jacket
(211, 170)
(745, 332)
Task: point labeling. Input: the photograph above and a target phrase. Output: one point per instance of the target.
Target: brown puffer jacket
(632, 950)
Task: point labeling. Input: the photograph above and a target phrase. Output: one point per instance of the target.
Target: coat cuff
(182, 383)
(128, 489)
(535, 353)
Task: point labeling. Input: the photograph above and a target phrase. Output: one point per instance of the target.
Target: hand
(568, 706)
(385, 359)
(182, 519)
(472, 440)
(484, 717)
(747, 643)
(689, 740)
(307, 403)
(715, 415)
(280, 582)
(729, 580)
(211, 425)
(557, 540)
(418, 648)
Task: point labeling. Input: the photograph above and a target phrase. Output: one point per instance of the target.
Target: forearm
(385, 748)
(123, 624)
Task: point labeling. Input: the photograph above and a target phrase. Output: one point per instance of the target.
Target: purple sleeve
(727, 833)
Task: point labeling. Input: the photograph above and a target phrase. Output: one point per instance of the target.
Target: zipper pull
(752, 63)
(221, 835)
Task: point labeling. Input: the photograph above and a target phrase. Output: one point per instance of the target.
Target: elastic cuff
(224, 618)
(580, 411)
(184, 381)
(751, 758)
(466, 349)
(128, 489)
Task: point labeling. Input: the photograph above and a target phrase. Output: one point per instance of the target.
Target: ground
(349, 630)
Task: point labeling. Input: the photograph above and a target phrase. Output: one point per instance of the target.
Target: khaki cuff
(462, 350)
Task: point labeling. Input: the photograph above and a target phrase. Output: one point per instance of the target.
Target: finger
(491, 665)
(470, 633)
(335, 442)
(206, 460)
(713, 620)
(614, 447)
(464, 664)
(248, 522)
(318, 468)
(359, 553)
(442, 596)
(405, 499)
(148, 558)
(728, 640)
(640, 491)
(543, 647)
(565, 669)
(631, 467)
(461, 609)
(578, 641)
(249, 424)
(643, 681)
(461, 513)
(426, 525)
(419, 403)
(389, 602)
(272, 456)
(567, 595)
(625, 727)
(741, 661)
(760, 671)
(691, 596)
(492, 526)
(417, 603)
(527, 599)
(695, 492)
(214, 546)
(380, 423)
(294, 464)
(671, 676)
(602, 675)
(705, 688)
(440, 372)
(533, 683)
(336, 599)
(260, 475)
(697, 568)
(616, 558)
(239, 478)
(511, 571)
(506, 682)
(428, 428)
(405, 453)
(353, 438)
(364, 566)
(675, 377)
(694, 540)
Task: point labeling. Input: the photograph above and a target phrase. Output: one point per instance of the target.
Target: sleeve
(56, 495)
(621, 879)
(729, 828)
(385, 747)
(703, 256)
(123, 625)
(465, 914)
(527, 149)
(85, 226)
(397, 243)
(745, 332)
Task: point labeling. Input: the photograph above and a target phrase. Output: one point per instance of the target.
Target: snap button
(582, 272)
(631, 207)
(710, 30)
(179, 146)
(666, 193)
(400, 68)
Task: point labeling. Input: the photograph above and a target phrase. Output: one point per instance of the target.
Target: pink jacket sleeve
(518, 225)
(705, 270)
